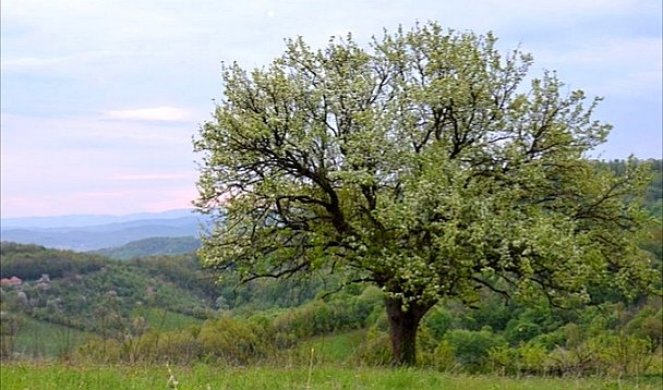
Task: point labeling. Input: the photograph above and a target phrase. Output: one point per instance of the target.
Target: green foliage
(471, 348)
(490, 311)
(438, 321)
(520, 331)
(533, 358)
(654, 194)
(622, 354)
(320, 317)
(152, 247)
(236, 339)
(88, 294)
(647, 324)
(30, 262)
(233, 341)
(264, 294)
(422, 164)
(122, 287)
(375, 350)
(444, 356)
(528, 358)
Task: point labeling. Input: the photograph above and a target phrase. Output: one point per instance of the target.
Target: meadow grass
(21, 376)
(40, 338)
(337, 348)
(165, 320)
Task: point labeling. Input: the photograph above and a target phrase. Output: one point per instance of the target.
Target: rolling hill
(72, 235)
(152, 247)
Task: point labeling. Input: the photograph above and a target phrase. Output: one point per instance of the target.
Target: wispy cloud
(94, 202)
(103, 194)
(163, 113)
(32, 63)
(152, 176)
(92, 132)
(615, 51)
(571, 7)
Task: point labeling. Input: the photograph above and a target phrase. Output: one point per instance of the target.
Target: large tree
(421, 163)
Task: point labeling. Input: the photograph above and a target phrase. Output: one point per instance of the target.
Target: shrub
(444, 358)
(621, 354)
(232, 341)
(472, 347)
(105, 351)
(503, 359)
(375, 350)
(438, 321)
(550, 340)
(532, 358)
(518, 331)
(572, 361)
(180, 347)
(647, 325)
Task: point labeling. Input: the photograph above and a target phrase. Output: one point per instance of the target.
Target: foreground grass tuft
(62, 376)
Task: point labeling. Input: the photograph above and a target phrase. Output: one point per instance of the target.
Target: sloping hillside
(152, 247)
(92, 293)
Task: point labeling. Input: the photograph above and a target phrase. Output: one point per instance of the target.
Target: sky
(99, 100)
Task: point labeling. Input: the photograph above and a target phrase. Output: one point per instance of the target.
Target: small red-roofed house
(13, 281)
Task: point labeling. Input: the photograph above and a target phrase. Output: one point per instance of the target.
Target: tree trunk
(403, 327)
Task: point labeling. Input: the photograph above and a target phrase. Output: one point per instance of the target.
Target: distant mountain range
(64, 221)
(90, 232)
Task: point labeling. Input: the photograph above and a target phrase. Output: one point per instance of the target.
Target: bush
(518, 331)
(438, 321)
(98, 350)
(532, 358)
(550, 340)
(573, 361)
(621, 354)
(472, 347)
(375, 350)
(319, 317)
(503, 360)
(648, 324)
(233, 341)
(491, 312)
(444, 358)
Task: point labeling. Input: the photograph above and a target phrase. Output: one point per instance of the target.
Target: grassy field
(19, 376)
(337, 349)
(40, 339)
(163, 320)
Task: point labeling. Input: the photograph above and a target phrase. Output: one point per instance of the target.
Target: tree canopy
(424, 163)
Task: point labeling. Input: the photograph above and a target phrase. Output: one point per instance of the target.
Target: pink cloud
(98, 202)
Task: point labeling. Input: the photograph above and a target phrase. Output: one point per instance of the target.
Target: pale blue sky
(100, 99)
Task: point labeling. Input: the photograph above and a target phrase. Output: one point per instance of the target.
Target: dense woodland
(167, 309)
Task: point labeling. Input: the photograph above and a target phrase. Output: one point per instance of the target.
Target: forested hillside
(653, 198)
(90, 293)
(152, 246)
